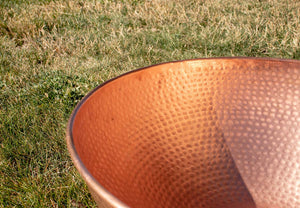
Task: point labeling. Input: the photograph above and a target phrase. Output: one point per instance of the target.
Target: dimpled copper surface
(196, 133)
(261, 123)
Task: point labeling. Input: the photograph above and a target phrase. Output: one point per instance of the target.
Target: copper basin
(222, 132)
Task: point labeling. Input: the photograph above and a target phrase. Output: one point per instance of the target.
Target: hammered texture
(261, 123)
(188, 134)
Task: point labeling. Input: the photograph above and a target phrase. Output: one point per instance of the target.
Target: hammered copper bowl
(220, 132)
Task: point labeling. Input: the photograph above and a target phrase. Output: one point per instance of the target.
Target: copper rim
(87, 176)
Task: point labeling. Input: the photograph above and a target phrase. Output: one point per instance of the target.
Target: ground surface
(53, 52)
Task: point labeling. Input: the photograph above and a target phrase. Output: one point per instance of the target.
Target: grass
(53, 52)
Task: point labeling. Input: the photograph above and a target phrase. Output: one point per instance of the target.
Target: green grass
(53, 52)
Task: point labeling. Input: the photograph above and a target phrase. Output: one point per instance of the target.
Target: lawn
(52, 52)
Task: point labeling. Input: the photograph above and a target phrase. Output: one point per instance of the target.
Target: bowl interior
(197, 133)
